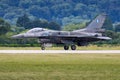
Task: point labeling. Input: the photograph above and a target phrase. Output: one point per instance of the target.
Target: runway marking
(59, 51)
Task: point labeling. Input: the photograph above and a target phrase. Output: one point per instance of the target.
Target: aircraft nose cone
(17, 36)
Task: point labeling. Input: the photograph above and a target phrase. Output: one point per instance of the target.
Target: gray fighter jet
(93, 32)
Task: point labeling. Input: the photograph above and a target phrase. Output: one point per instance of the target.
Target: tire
(42, 48)
(66, 47)
(73, 47)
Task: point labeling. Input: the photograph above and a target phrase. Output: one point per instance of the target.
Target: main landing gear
(73, 47)
(66, 47)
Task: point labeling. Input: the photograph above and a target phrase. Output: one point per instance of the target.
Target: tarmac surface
(58, 51)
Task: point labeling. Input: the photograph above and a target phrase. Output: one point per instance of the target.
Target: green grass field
(59, 66)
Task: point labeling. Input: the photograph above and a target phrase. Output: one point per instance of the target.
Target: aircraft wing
(85, 37)
(104, 38)
(64, 36)
(76, 37)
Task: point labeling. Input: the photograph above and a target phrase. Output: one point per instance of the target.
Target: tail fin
(95, 25)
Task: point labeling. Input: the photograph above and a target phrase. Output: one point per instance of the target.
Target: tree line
(27, 23)
(59, 10)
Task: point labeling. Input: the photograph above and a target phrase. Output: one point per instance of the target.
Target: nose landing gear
(42, 46)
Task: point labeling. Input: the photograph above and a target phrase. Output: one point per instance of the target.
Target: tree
(40, 12)
(38, 23)
(54, 26)
(4, 27)
(23, 21)
(117, 27)
(72, 27)
(79, 9)
(108, 24)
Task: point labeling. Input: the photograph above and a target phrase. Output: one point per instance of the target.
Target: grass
(59, 66)
(90, 47)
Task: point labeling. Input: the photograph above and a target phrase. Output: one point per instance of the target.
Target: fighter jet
(82, 37)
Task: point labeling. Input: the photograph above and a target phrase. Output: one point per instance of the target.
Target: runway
(58, 51)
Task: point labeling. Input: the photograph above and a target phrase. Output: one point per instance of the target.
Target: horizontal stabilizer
(104, 38)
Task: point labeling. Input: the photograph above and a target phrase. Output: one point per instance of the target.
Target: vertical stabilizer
(97, 23)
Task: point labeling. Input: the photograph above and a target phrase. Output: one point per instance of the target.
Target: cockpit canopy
(34, 30)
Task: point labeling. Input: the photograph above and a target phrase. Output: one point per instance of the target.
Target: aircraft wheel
(66, 47)
(73, 47)
(43, 48)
